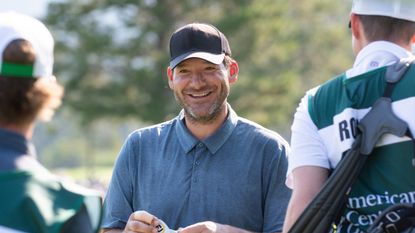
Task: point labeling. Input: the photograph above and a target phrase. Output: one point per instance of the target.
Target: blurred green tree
(112, 54)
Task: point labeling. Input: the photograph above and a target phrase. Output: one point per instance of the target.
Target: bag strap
(393, 76)
(381, 119)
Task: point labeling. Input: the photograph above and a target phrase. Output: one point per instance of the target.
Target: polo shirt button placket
(197, 162)
(198, 153)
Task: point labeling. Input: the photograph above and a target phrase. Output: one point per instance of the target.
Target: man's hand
(141, 222)
(210, 227)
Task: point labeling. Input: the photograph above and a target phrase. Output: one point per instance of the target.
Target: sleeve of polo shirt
(276, 194)
(118, 200)
(307, 146)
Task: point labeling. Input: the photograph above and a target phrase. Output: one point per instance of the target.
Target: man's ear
(233, 71)
(170, 77)
(355, 26)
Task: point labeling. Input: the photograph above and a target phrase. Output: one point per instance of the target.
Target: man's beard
(212, 115)
(213, 112)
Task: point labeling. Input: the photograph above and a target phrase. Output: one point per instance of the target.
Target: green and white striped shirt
(325, 127)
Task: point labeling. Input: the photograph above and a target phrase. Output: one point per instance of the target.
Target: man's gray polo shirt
(234, 177)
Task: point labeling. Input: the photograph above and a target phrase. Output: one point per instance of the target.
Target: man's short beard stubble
(214, 110)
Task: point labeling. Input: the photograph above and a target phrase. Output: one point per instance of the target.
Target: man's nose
(198, 79)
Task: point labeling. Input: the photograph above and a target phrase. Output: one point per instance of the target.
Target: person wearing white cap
(207, 170)
(32, 199)
(324, 125)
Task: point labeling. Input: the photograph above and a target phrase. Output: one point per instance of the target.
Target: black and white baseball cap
(400, 9)
(198, 40)
(15, 26)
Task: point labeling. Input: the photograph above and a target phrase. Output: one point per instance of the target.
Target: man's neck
(25, 129)
(204, 130)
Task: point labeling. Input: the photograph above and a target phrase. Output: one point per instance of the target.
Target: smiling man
(207, 170)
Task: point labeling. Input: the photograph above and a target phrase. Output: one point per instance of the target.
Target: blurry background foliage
(112, 56)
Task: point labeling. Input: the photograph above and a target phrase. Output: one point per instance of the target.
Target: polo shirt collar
(375, 55)
(213, 142)
(16, 142)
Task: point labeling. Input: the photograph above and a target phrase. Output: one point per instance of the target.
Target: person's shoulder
(43, 193)
(59, 184)
(252, 127)
(61, 191)
(328, 91)
(334, 82)
(152, 130)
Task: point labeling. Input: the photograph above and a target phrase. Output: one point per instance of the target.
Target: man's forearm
(293, 212)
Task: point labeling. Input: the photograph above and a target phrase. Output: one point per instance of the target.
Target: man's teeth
(200, 94)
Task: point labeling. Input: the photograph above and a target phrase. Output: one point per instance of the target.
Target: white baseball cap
(18, 26)
(400, 9)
